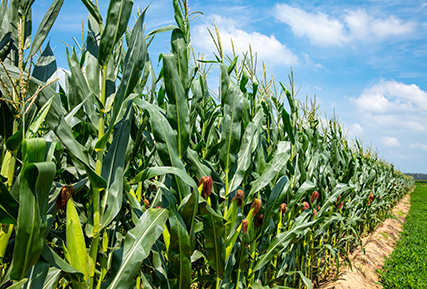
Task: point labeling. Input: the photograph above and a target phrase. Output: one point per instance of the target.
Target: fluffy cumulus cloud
(268, 48)
(325, 30)
(393, 105)
(390, 141)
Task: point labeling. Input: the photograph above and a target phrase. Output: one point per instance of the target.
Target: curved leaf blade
(138, 242)
(117, 20)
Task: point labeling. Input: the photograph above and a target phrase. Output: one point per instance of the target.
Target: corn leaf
(180, 249)
(232, 105)
(76, 245)
(165, 142)
(113, 169)
(46, 25)
(136, 247)
(155, 171)
(93, 10)
(281, 241)
(37, 275)
(35, 182)
(117, 20)
(270, 173)
(9, 207)
(177, 109)
(133, 65)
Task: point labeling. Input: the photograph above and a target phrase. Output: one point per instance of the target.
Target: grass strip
(406, 267)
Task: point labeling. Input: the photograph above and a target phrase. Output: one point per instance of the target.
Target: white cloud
(355, 130)
(391, 96)
(393, 105)
(268, 48)
(419, 145)
(390, 141)
(325, 30)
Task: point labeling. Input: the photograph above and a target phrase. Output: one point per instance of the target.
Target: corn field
(128, 177)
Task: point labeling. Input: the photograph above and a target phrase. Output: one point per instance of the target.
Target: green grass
(407, 265)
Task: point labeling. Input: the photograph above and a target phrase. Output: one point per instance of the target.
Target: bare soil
(378, 245)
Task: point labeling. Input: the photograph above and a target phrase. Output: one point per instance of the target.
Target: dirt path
(378, 245)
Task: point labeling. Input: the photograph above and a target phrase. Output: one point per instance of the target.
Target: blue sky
(365, 59)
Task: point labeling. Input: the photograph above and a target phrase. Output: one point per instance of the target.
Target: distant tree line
(417, 176)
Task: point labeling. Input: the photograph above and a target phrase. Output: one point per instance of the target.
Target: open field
(407, 266)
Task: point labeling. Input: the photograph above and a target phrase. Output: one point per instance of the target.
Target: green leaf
(306, 280)
(4, 43)
(113, 169)
(117, 20)
(244, 157)
(93, 10)
(19, 284)
(165, 142)
(332, 197)
(133, 66)
(8, 206)
(155, 171)
(91, 61)
(45, 66)
(24, 7)
(14, 142)
(232, 112)
(189, 212)
(45, 26)
(40, 117)
(178, 17)
(275, 199)
(36, 276)
(180, 51)
(280, 242)
(180, 249)
(56, 121)
(305, 190)
(177, 109)
(52, 278)
(76, 245)
(162, 29)
(82, 88)
(53, 259)
(136, 247)
(270, 173)
(35, 182)
(213, 227)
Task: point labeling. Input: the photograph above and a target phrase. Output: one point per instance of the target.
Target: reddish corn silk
(240, 195)
(371, 197)
(245, 224)
(146, 203)
(314, 212)
(65, 194)
(158, 207)
(338, 199)
(340, 206)
(306, 206)
(318, 208)
(256, 205)
(369, 202)
(283, 208)
(207, 186)
(314, 196)
(259, 220)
